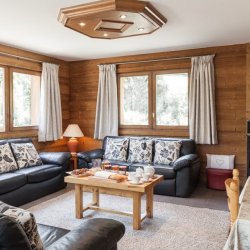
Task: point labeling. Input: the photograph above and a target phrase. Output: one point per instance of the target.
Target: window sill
(173, 132)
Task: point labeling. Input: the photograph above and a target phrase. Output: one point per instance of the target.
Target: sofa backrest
(20, 140)
(188, 145)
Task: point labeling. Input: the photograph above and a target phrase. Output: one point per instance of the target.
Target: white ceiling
(32, 25)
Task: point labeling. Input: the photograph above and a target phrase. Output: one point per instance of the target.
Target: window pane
(172, 99)
(2, 95)
(134, 100)
(26, 97)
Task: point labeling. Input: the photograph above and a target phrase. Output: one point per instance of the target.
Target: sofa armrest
(184, 161)
(95, 234)
(58, 158)
(92, 154)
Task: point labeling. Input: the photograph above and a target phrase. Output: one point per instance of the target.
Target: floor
(202, 197)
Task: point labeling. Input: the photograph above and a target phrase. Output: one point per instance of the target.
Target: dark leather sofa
(27, 184)
(180, 178)
(95, 234)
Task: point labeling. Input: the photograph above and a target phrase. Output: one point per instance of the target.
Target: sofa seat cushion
(11, 181)
(120, 163)
(166, 170)
(40, 173)
(50, 234)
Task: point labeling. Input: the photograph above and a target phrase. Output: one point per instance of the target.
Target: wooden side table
(74, 160)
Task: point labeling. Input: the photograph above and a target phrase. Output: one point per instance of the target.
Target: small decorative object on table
(115, 168)
(122, 170)
(149, 170)
(96, 163)
(106, 165)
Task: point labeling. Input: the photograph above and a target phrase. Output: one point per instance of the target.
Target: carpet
(173, 226)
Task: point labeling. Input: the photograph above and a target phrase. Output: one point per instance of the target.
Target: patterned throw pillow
(140, 150)
(27, 222)
(116, 149)
(166, 152)
(26, 155)
(7, 160)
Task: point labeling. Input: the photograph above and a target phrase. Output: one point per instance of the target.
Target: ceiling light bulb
(141, 29)
(123, 16)
(82, 24)
(105, 34)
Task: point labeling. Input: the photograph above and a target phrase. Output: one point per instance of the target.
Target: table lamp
(73, 131)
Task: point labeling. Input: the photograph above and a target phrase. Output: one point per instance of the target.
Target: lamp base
(72, 145)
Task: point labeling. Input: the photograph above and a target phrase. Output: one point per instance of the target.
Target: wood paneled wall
(230, 75)
(17, 62)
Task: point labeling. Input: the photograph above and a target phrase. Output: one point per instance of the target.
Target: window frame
(149, 100)
(6, 98)
(11, 104)
(162, 72)
(152, 129)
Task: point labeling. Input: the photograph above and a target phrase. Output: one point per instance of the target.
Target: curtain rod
(22, 57)
(151, 60)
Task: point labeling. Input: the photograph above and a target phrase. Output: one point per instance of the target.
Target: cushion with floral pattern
(27, 222)
(166, 152)
(26, 155)
(7, 160)
(116, 149)
(140, 150)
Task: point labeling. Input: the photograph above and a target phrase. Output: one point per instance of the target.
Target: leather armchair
(95, 234)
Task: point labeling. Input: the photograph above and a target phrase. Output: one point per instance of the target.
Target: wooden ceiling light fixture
(110, 19)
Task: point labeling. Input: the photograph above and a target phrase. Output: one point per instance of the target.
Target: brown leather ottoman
(216, 178)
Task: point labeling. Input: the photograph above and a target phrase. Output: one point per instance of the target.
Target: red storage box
(216, 178)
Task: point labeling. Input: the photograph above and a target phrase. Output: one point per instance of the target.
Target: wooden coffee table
(125, 189)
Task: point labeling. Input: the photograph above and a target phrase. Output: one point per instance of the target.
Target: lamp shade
(73, 130)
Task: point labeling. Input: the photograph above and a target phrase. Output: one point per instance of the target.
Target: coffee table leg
(96, 196)
(149, 202)
(78, 201)
(136, 211)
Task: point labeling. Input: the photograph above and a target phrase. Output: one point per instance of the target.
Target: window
(154, 100)
(171, 99)
(25, 96)
(134, 107)
(2, 100)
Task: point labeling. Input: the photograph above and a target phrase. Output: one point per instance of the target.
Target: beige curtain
(202, 116)
(50, 122)
(106, 122)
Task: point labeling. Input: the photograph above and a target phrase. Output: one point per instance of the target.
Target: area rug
(173, 226)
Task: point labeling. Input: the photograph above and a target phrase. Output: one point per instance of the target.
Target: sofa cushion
(40, 173)
(12, 236)
(27, 222)
(7, 160)
(116, 149)
(140, 150)
(166, 151)
(11, 181)
(120, 163)
(26, 155)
